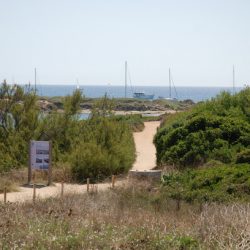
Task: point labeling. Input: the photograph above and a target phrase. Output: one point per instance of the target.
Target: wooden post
(29, 167)
(34, 192)
(178, 204)
(87, 184)
(201, 207)
(50, 164)
(5, 195)
(34, 176)
(113, 181)
(62, 189)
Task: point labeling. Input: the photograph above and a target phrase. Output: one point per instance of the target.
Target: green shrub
(105, 147)
(89, 161)
(19, 117)
(219, 183)
(134, 121)
(214, 130)
(95, 148)
(243, 157)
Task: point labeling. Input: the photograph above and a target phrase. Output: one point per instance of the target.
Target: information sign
(40, 155)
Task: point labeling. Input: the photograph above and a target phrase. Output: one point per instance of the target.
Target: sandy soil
(145, 149)
(26, 193)
(145, 160)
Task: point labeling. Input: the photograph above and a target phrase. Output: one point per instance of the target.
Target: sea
(181, 93)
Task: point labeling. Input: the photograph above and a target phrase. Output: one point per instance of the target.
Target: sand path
(145, 149)
(145, 160)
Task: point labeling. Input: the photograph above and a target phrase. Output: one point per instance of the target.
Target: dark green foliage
(217, 183)
(72, 103)
(104, 144)
(243, 157)
(106, 147)
(134, 121)
(103, 107)
(218, 129)
(18, 120)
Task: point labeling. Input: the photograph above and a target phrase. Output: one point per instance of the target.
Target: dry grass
(17, 177)
(134, 217)
(227, 226)
(11, 180)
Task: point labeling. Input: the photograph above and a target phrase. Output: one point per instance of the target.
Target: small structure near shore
(147, 174)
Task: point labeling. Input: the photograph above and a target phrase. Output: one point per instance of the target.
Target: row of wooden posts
(62, 188)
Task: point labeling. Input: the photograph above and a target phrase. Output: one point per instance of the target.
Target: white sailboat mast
(35, 79)
(126, 69)
(233, 80)
(169, 79)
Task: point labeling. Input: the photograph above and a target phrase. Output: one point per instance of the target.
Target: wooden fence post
(34, 192)
(5, 195)
(62, 189)
(178, 204)
(87, 184)
(113, 181)
(50, 164)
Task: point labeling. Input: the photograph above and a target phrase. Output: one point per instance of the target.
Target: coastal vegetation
(130, 217)
(207, 150)
(96, 148)
(200, 203)
(219, 183)
(218, 129)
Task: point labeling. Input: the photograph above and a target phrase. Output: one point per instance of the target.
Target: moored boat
(138, 94)
(142, 95)
(170, 98)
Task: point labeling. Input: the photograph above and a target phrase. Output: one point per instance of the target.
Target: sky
(66, 40)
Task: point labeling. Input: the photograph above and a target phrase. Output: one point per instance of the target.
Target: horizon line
(120, 85)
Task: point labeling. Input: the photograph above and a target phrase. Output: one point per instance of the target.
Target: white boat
(142, 95)
(170, 98)
(138, 95)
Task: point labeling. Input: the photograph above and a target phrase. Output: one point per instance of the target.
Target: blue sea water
(194, 93)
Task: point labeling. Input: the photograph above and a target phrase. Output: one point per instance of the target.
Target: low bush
(243, 157)
(218, 129)
(216, 183)
(96, 148)
(134, 121)
(105, 148)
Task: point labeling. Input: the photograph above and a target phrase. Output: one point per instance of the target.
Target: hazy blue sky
(90, 40)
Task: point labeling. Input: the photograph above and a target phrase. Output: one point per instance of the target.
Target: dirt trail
(26, 193)
(145, 160)
(145, 149)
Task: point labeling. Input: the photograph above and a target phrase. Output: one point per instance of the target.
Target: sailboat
(142, 95)
(78, 87)
(170, 98)
(138, 95)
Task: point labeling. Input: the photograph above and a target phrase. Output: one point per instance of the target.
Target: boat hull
(143, 96)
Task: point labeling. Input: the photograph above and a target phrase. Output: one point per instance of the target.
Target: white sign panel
(40, 154)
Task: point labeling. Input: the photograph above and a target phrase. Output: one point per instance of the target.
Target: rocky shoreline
(120, 105)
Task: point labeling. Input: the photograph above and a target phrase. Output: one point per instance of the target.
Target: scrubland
(134, 216)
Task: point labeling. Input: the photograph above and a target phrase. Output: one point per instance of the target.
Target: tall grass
(133, 217)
